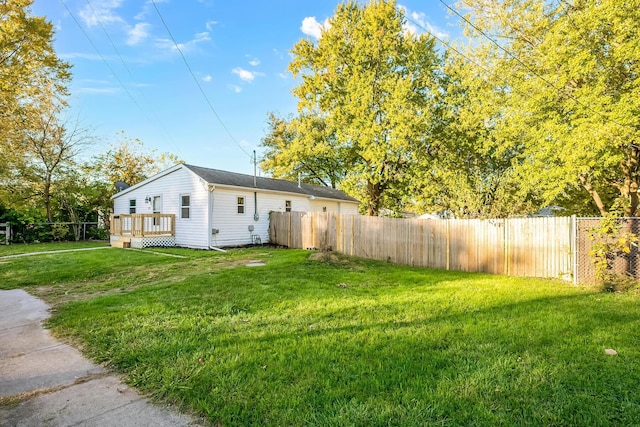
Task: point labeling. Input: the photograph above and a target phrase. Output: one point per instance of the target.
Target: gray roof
(220, 177)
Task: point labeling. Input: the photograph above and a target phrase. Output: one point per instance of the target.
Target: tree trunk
(629, 189)
(374, 195)
(47, 198)
(586, 183)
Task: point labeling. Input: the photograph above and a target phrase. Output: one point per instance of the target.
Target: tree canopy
(365, 88)
(573, 98)
(538, 106)
(32, 76)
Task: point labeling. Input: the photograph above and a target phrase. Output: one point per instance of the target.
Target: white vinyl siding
(193, 233)
(233, 228)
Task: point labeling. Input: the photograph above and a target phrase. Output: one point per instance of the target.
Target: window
(240, 204)
(287, 205)
(324, 209)
(185, 206)
(132, 206)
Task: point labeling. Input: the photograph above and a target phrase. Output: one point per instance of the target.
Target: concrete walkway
(52, 384)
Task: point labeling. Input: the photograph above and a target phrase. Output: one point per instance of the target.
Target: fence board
(531, 247)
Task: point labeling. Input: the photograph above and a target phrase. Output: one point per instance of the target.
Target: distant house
(197, 207)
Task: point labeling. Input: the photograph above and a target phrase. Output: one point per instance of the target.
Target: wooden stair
(122, 242)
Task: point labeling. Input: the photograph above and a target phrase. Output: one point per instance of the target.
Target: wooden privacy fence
(529, 247)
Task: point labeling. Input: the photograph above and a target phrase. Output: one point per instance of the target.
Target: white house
(197, 207)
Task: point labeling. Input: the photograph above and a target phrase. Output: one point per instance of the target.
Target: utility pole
(254, 168)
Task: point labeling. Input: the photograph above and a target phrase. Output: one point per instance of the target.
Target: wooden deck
(142, 225)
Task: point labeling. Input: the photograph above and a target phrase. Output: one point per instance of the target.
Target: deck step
(122, 242)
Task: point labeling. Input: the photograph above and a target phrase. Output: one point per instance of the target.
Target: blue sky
(137, 82)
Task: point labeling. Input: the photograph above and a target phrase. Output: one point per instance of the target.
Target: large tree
(463, 170)
(30, 72)
(371, 85)
(304, 148)
(573, 97)
(33, 88)
(128, 160)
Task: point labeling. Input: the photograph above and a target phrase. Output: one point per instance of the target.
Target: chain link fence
(57, 232)
(623, 264)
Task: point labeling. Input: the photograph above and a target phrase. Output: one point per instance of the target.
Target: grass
(328, 340)
(15, 249)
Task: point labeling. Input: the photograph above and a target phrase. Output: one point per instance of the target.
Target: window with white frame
(240, 204)
(185, 206)
(287, 205)
(132, 206)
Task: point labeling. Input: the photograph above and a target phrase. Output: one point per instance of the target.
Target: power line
(195, 79)
(100, 54)
(157, 120)
(546, 81)
(449, 46)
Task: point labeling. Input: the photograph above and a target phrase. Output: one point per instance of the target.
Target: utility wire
(449, 46)
(124, 64)
(100, 54)
(195, 79)
(546, 81)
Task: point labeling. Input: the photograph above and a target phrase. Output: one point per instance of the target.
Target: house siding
(232, 228)
(191, 232)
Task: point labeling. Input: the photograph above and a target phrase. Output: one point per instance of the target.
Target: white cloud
(168, 44)
(102, 11)
(207, 78)
(278, 53)
(311, 27)
(81, 55)
(97, 90)
(254, 62)
(283, 76)
(246, 75)
(416, 23)
(236, 89)
(138, 33)
(209, 25)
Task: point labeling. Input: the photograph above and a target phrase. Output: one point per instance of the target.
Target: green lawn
(42, 247)
(335, 341)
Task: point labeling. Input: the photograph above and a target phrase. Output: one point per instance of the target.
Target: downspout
(210, 188)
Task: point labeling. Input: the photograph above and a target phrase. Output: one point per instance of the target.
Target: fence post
(574, 251)
(448, 236)
(505, 232)
(289, 229)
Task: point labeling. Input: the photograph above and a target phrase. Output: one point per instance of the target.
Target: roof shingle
(220, 177)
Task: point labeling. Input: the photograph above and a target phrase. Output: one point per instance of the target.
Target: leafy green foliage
(33, 87)
(573, 95)
(366, 87)
(610, 242)
(303, 147)
(130, 161)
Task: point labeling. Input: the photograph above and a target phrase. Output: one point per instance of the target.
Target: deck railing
(141, 225)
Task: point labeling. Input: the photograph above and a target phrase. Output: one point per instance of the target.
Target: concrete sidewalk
(55, 385)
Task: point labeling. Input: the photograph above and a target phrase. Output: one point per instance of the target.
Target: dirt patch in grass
(129, 280)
